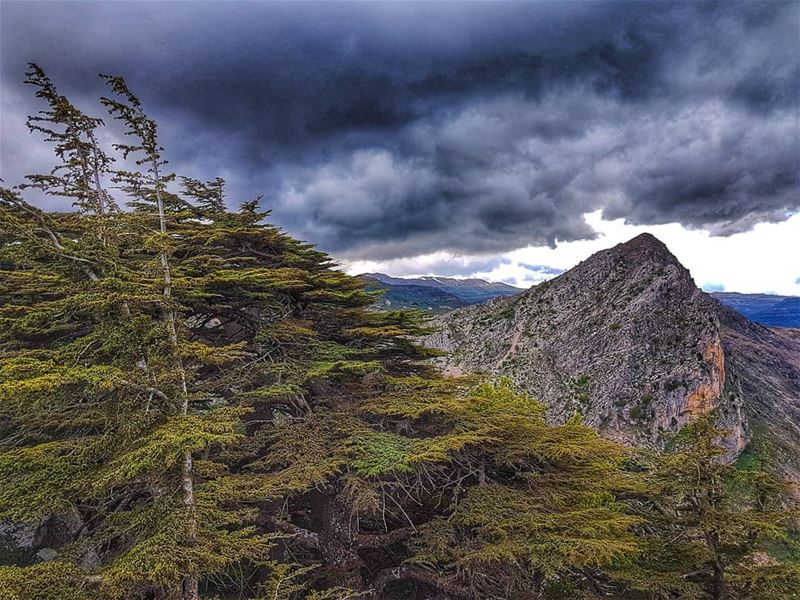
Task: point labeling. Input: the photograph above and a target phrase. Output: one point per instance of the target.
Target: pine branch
(308, 537)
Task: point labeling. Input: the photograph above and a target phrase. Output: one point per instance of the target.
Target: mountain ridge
(440, 294)
(444, 282)
(435, 294)
(772, 310)
(628, 340)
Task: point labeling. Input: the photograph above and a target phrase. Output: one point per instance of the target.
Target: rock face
(24, 543)
(628, 340)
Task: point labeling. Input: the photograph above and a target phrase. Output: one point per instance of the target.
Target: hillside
(435, 294)
(628, 340)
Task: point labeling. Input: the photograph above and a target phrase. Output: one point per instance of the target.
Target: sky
(493, 139)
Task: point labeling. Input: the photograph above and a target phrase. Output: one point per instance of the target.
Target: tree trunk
(337, 541)
(191, 584)
(718, 569)
(718, 581)
(101, 208)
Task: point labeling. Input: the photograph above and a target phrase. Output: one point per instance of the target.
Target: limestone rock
(628, 340)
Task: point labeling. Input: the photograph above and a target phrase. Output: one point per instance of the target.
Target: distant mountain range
(434, 294)
(627, 340)
(440, 294)
(767, 309)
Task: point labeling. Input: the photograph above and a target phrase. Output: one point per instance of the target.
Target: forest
(194, 404)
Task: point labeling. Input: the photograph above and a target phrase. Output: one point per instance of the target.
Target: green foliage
(542, 505)
(381, 453)
(37, 480)
(164, 448)
(515, 526)
(716, 531)
(46, 581)
(290, 581)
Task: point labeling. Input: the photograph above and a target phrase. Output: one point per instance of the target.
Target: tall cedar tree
(82, 162)
(97, 382)
(715, 529)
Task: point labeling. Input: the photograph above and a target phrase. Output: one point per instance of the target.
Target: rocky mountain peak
(627, 339)
(645, 244)
(646, 249)
(641, 259)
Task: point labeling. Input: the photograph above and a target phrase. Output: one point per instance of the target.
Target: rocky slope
(628, 340)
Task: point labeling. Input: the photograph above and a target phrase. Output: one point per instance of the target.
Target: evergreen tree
(96, 386)
(413, 486)
(716, 530)
(209, 196)
(82, 163)
(532, 512)
(134, 365)
(145, 132)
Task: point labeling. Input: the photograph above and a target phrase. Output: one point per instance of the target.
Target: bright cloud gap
(750, 262)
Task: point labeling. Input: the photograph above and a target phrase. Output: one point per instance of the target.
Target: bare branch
(306, 536)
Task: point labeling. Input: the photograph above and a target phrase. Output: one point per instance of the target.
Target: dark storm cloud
(386, 130)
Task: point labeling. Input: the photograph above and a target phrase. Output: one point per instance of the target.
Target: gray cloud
(448, 267)
(542, 269)
(388, 130)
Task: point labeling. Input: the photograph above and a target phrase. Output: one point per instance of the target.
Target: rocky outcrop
(23, 543)
(628, 340)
